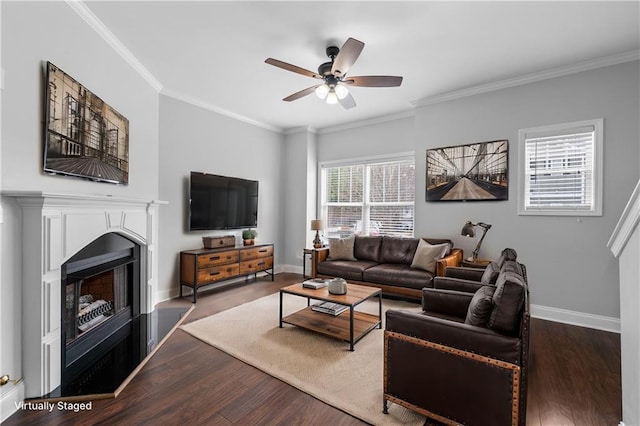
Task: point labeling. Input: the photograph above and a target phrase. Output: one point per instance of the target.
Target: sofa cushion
(342, 248)
(347, 269)
(399, 275)
(480, 306)
(511, 266)
(507, 254)
(490, 274)
(367, 248)
(508, 299)
(426, 255)
(398, 250)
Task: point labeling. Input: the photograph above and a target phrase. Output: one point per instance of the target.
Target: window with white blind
(374, 197)
(561, 169)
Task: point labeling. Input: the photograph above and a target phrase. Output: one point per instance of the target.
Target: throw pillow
(491, 273)
(342, 248)
(426, 255)
(480, 307)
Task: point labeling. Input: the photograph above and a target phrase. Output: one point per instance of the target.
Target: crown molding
(99, 27)
(300, 129)
(201, 104)
(368, 122)
(606, 61)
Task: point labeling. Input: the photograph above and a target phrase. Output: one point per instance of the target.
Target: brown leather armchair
(464, 358)
(481, 274)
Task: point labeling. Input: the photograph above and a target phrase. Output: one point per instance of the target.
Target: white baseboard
(581, 319)
(10, 399)
(293, 269)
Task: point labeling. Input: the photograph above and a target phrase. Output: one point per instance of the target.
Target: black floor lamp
(469, 231)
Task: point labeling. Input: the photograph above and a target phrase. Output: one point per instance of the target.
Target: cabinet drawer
(256, 253)
(256, 265)
(217, 273)
(217, 258)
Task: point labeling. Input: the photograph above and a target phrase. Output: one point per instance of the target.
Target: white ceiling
(212, 53)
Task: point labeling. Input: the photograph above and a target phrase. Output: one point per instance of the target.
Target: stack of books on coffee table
(315, 283)
(329, 308)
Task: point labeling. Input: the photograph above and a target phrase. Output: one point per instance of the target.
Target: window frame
(365, 161)
(597, 167)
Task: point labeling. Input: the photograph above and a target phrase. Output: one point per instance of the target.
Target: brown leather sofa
(464, 359)
(385, 262)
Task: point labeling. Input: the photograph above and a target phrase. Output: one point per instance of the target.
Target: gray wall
(299, 167)
(568, 263)
(367, 139)
(196, 139)
(573, 276)
(33, 33)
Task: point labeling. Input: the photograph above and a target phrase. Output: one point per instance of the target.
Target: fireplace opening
(101, 298)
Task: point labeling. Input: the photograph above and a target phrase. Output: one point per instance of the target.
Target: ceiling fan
(334, 88)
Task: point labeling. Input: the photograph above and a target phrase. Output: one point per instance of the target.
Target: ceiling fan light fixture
(332, 98)
(332, 83)
(322, 91)
(341, 91)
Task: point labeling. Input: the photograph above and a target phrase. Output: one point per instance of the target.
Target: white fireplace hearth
(54, 228)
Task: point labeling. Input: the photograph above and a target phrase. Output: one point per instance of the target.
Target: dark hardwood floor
(574, 380)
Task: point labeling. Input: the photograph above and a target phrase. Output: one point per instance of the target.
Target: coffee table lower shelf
(337, 326)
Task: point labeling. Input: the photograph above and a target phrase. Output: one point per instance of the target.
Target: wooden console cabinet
(202, 267)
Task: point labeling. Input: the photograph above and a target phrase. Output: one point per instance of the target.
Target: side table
(478, 263)
(306, 252)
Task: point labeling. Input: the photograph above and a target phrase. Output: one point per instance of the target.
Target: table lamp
(469, 231)
(316, 225)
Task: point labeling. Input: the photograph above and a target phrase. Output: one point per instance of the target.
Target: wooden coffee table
(350, 326)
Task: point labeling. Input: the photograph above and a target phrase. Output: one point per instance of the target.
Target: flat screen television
(222, 202)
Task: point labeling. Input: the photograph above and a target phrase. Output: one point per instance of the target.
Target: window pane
(391, 220)
(369, 199)
(392, 182)
(345, 184)
(561, 170)
(341, 221)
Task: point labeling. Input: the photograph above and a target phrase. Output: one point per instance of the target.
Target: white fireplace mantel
(55, 226)
(625, 245)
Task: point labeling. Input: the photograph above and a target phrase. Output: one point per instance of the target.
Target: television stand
(202, 267)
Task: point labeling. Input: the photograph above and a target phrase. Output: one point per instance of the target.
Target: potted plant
(249, 236)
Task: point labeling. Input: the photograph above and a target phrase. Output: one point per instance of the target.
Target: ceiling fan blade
(374, 81)
(300, 94)
(347, 102)
(347, 56)
(292, 68)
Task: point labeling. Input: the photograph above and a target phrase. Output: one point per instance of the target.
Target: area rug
(315, 364)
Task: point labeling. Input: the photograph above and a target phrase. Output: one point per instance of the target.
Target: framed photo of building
(84, 136)
(473, 172)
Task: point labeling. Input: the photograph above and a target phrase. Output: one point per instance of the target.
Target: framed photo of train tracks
(473, 172)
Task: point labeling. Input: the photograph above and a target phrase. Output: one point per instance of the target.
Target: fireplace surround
(55, 227)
